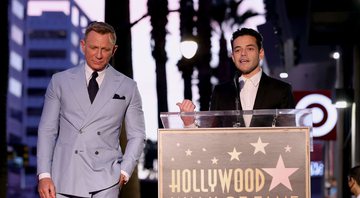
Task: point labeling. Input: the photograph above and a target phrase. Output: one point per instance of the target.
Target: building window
(47, 34)
(75, 39)
(15, 87)
(41, 73)
(18, 9)
(75, 16)
(47, 54)
(16, 114)
(36, 92)
(84, 21)
(33, 111)
(16, 61)
(31, 131)
(17, 35)
(74, 58)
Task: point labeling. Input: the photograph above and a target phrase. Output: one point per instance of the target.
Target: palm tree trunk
(158, 11)
(204, 56)
(186, 66)
(117, 14)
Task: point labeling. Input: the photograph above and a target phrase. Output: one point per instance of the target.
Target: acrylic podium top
(247, 118)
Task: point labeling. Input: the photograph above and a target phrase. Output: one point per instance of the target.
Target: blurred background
(178, 49)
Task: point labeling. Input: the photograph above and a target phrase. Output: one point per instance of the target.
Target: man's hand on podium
(187, 106)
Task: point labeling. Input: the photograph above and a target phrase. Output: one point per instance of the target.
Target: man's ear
(114, 49)
(261, 53)
(352, 182)
(82, 44)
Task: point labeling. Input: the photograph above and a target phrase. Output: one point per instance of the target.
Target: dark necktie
(93, 86)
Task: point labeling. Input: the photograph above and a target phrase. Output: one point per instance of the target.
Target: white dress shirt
(248, 90)
(88, 74)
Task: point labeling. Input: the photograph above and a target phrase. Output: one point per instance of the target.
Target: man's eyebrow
(248, 45)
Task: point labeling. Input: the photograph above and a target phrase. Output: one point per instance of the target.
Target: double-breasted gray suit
(78, 142)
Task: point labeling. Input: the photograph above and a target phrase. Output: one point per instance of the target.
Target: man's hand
(187, 106)
(122, 180)
(46, 188)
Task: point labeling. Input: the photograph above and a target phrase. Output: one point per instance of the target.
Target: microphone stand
(237, 100)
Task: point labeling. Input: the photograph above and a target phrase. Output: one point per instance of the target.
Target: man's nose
(99, 54)
(242, 51)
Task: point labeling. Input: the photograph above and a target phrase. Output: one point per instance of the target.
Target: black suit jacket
(271, 94)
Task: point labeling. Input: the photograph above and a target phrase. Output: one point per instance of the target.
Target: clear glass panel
(248, 118)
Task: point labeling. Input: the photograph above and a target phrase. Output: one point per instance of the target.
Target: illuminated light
(18, 9)
(341, 104)
(74, 58)
(188, 49)
(316, 168)
(284, 75)
(75, 40)
(75, 16)
(15, 87)
(16, 61)
(17, 35)
(324, 101)
(335, 55)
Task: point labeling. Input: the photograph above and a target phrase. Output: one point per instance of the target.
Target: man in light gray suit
(78, 150)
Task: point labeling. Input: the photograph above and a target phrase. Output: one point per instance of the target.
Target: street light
(188, 48)
(344, 98)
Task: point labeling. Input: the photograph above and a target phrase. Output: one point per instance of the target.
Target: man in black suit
(251, 88)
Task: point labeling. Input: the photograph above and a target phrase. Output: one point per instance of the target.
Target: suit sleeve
(48, 129)
(135, 131)
(288, 101)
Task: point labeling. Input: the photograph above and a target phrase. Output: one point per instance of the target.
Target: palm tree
(158, 11)
(186, 66)
(225, 15)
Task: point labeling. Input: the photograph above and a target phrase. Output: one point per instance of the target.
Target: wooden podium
(235, 162)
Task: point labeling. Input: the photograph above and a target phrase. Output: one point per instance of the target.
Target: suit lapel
(261, 93)
(106, 92)
(77, 83)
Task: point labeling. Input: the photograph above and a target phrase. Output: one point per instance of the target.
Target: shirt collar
(255, 79)
(89, 71)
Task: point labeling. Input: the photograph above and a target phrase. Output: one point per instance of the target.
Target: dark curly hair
(250, 32)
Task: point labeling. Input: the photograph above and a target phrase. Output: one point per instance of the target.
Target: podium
(235, 154)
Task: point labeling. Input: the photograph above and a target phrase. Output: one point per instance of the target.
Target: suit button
(98, 133)
(81, 132)
(76, 151)
(96, 152)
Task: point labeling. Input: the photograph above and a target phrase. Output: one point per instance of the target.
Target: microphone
(237, 99)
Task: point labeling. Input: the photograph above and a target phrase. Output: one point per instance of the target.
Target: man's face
(246, 55)
(98, 49)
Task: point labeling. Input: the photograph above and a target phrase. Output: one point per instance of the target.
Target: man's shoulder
(273, 81)
(68, 71)
(120, 75)
(225, 85)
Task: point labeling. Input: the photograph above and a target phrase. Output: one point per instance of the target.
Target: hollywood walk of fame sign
(234, 163)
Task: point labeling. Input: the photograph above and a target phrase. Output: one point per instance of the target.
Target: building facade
(41, 43)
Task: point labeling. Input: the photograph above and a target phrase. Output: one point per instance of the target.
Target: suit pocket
(100, 158)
